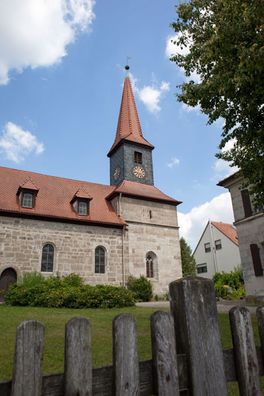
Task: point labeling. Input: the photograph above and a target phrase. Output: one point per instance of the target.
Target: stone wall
(250, 230)
(152, 227)
(22, 240)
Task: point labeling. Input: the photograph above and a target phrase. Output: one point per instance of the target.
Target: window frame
(99, 265)
(207, 247)
(218, 246)
(29, 193)
(42, 269)
(137, 157)
(201, 267)
(79, 203)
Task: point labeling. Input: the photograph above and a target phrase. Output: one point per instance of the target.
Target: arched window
(151, 265)
(100, 260)
(47, 258)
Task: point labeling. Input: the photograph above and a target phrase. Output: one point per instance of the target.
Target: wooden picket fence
(199, 367)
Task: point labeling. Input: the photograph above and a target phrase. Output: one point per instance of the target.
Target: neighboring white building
(249, 222)
(217, 250)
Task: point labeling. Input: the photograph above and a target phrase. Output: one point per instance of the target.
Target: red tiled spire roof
(227, 229)
(128, 127)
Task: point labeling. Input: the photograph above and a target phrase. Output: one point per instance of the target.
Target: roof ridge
(56, 177)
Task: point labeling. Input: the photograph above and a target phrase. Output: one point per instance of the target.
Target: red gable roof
(227, 229)
(54, 197)
(128, 127)
(145, 191)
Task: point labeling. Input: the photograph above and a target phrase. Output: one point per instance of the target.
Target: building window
(256, 259)
(137, 157)
(150, 214)
(218, 244)
(201, 268)
(100, 260)
(82, 208)
(47, 258)
(27, 200)
(149, 266)
(246, 203)
(207, 247)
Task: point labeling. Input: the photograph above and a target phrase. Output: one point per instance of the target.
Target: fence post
(245, 352)
(193, 305)
(27, 373)
(125, 356)
(164, 356)
(78, 358)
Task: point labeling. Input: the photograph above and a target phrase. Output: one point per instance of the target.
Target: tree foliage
(188, 262)
(223, 42)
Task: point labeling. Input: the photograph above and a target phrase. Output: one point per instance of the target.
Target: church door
(7, 278)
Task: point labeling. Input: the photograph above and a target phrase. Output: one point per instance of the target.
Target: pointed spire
(128, 127)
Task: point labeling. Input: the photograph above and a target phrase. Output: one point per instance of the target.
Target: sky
(61, 75)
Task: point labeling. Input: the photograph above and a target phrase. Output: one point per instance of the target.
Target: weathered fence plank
(125, 356)
(78, 358)
(246, 360)
(27, 374)
(260, 318)
(164, 355)
(194, 309)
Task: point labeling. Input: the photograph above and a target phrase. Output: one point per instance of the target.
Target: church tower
(131, 154)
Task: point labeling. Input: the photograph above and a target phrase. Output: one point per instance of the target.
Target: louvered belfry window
(256, 259)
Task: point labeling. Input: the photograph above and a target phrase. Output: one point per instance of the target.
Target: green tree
(188, 262)
(223, 42)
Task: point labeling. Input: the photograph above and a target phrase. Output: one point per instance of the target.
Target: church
(104, 233)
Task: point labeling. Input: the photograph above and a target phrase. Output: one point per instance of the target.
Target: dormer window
(137, 157)
(27, 193)
(27, 200)
(82, 208)
(81, 202)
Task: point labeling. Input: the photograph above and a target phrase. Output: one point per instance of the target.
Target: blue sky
(61, 74)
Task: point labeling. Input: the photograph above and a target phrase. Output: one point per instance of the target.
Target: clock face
(116, 173)
(139, 171)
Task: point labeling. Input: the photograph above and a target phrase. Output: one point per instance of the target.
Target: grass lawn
(54, 320)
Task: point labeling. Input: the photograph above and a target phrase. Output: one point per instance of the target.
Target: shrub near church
(69, 291)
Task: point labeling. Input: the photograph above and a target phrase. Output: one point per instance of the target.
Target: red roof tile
(227, 229)
(128, 127)
(54, 197)
(139, 190)
(29, 185)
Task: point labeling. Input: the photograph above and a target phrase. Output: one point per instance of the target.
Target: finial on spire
(127, 67)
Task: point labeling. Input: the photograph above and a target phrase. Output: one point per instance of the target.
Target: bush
(229, 285)
(140, 287)
(36, 290)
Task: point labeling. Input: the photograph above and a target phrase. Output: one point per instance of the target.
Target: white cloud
(193, 223)
(222, 168)
(172, 49)
(16, 143)
(36, 33)
(173, 162)
(150, 95)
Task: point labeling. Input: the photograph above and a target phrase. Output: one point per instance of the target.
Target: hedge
(70, 292)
